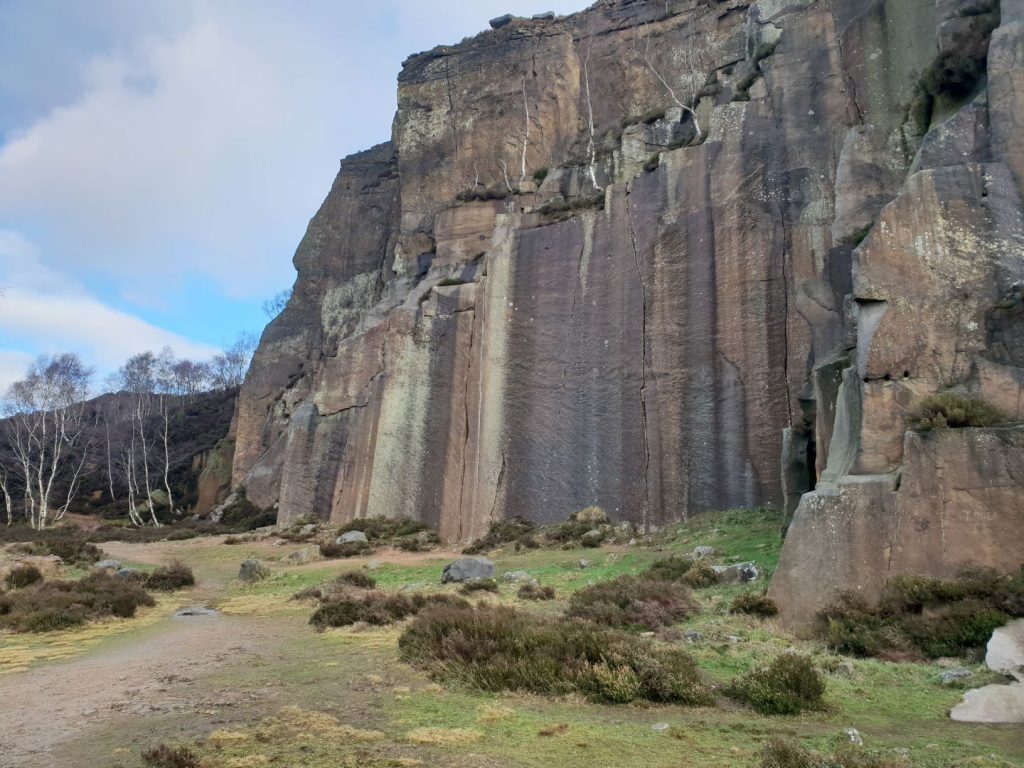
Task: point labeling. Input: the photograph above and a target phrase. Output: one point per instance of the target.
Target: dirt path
(145, 674)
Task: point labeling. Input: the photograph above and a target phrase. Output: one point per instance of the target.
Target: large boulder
(467, 569)
(1005, 652)
(305, 555)
(991, 704)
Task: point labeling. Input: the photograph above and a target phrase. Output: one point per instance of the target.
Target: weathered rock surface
(998, 703)
(253, 570)
(1005, 652)
(738, 573)
(467, 569)
(555, 288)
(352, 537)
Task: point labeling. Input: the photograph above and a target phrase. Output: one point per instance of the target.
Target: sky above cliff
(159, 160)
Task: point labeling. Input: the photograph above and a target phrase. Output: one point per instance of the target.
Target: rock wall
(609, 259)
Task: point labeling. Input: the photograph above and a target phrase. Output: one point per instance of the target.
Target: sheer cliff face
(683, 299)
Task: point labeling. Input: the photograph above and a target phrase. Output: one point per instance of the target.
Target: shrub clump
(479, 585)
(63, 604)
(163, 756)
(357, 579)
(633, 602)
(168, 578)
(700, 575)
(376, 608)
(332, 551)
(754, 604)
(669, 569)
(788, 686)
(531, 591)
(242, 515)
(501, 532)
(71, 548)
(495, 648)
(923, 616)
(949, 410)
(23, 576)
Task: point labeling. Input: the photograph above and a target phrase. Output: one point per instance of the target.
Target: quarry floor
(256, 685)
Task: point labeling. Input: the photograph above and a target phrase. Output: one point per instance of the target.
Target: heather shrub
(163, 756)
(949, 410)
(531, 591)
(479, 585)
(700, 575)
(788, 686)
(332, 551)
(669, 569)
(357, 579)
(168, 578)
(785, 753)
(495, 648)
(61, 604)
(23, 576)
(754, 604)
(633, 602)
(925, 616)
(376, 608)
(501, 532)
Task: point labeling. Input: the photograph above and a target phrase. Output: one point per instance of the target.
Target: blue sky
(159, 159)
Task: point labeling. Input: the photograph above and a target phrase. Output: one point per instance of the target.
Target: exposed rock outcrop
(640, 256)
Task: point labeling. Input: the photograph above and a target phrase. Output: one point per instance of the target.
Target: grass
(355, 676)
(953, 411)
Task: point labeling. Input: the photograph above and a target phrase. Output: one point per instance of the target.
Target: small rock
(902, 752)
(737, 573)
(660, 727)
(128, 573)
(374, 564)
(308, 529)
(699, 553)
(693, 636)
(415, 586)
(632, 542)
(518, 577)
(195, 611)
(107, 565)
(501, 21)
(854, 736)
(646, 634)
(733, 639)
(583, 563)
(352, 537)
(252, 571)
(467, 569)
(955, 674)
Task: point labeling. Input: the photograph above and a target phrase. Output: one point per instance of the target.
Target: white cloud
(41, 309)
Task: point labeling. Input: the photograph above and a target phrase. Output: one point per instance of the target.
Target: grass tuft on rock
(953, 411)
(495, 648)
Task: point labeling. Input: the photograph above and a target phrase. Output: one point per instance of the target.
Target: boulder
(132, 574)
(702, 551)
(1005, 652)
(305, 555)
(467, 569)
(583, 563)
(992, 704)
(738, 573)
(107, 565)
(501, 21)
(592, 516)
(352, 537)
(253, 571)
(546, 16)
(592, 538)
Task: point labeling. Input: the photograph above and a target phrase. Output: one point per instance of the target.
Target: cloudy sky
(159, 159)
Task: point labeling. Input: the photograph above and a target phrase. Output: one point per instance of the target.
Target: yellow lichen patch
(18, 652)
(494, 713)
(442, 736)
